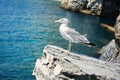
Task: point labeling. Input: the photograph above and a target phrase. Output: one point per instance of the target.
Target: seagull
(71, 34)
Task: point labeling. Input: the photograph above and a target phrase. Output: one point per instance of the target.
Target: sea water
(27, 26)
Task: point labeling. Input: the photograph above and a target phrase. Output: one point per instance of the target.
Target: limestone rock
(117, 28)
(94, 6)
(110, 52)
(55, 64)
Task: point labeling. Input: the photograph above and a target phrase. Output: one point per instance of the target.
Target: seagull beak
(57, 21)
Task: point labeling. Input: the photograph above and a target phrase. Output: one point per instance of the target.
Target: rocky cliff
(111, 51)
(55, 64)
(105, 8)
(86, 6)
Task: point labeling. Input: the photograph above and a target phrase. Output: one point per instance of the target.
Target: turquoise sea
(26, 26)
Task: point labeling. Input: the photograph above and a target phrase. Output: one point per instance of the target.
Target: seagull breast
(63, 29)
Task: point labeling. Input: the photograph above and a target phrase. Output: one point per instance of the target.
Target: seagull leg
(69, 47)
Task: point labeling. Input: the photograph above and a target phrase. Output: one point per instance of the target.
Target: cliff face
(55, 64)
(86, 6)
(105, 8)
(111, 51)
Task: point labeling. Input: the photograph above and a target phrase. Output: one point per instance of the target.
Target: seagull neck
(64, 24)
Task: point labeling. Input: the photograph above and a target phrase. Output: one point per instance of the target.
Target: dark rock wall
(111, 8)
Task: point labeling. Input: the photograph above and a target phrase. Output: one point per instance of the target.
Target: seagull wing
(72, 31)
(76, 36)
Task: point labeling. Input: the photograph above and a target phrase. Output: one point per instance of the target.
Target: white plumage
(71, 34)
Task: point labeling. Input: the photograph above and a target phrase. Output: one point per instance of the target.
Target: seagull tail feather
(91, 44)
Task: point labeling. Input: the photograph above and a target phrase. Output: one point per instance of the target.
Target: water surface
(26, 26)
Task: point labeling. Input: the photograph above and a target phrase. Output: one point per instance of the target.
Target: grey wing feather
(72, 32)
(76, 36)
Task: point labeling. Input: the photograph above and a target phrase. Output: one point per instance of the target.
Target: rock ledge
(55, 64)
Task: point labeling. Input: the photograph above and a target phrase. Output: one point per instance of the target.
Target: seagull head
(63, 21)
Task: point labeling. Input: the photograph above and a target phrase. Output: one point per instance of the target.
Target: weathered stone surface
(117, 28)
(105, 8)
(55, 64)
(94, 6)
(110, 52)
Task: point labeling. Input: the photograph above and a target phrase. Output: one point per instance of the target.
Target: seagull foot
(67, 52)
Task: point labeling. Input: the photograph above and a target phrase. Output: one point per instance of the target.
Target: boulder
(55, 64)
(110, 52)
